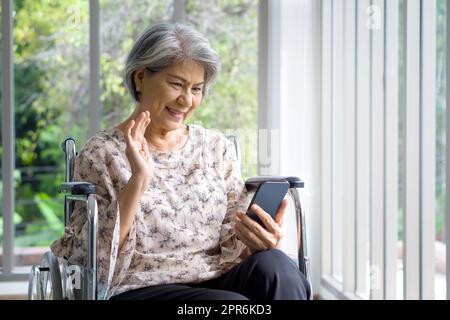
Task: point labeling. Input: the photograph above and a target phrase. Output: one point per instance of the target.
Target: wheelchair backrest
(70, 153)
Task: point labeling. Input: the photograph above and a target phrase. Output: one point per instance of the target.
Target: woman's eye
(197, 90)
(177, 84)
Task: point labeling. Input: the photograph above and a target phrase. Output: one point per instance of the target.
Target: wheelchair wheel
(51, 278)
(34, 284)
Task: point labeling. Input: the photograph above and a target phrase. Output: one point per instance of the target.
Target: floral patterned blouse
(183, 230)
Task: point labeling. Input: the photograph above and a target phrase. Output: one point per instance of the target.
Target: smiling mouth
(175, 113)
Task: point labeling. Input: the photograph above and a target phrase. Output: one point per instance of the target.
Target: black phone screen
(268, 196)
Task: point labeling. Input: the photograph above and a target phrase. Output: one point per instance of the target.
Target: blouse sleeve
(237, 199)
(95, 164)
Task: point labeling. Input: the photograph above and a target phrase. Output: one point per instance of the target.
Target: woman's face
(172, 94)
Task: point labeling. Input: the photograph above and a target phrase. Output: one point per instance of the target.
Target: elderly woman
(171, 199)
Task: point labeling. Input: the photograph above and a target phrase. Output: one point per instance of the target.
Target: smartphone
(268, 196)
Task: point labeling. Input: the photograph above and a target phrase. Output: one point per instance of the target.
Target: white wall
(300, 112)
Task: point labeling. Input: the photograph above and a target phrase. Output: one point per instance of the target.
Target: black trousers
(265, 275)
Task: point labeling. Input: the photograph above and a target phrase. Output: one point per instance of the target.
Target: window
(232, 31)
(50, 67)
(53, 60)
(116, 41)
(232, 28)
(384, 139)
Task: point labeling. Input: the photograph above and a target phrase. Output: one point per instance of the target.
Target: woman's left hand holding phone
(256, 237)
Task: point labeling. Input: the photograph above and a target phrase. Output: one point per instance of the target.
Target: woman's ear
(138, 79)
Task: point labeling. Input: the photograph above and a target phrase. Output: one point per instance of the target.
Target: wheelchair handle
(77, 188)
(68, 146)
(253, 183)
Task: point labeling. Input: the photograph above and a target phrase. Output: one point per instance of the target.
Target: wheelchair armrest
(252, 183)
(77, 188)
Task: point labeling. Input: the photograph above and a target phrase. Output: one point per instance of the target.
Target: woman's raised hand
(137, 150)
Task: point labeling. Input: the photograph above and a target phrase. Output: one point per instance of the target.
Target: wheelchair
(56, 279)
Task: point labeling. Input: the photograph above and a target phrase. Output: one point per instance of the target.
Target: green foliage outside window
(51, 74)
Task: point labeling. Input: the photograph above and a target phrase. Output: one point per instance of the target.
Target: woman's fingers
(134, 134)
(253, 226)
(281, 211)
(136, 128)
(140, 120)
(147, 122)
(249, 243)
(256, 229)
(272, 233)
(267, 220)
(128, 131)
(247, 236)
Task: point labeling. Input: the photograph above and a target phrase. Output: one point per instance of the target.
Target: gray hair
(164, 44)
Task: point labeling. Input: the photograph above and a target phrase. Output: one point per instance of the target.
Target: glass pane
(120, 23)
(440, 247)
(231, 107)
(51, 98)
(232, 31)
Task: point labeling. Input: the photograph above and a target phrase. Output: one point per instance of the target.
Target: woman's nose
(186, 99)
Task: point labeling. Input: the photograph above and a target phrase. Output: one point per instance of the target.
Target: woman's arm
(232, 249)
(128, 205)
(141, 170)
